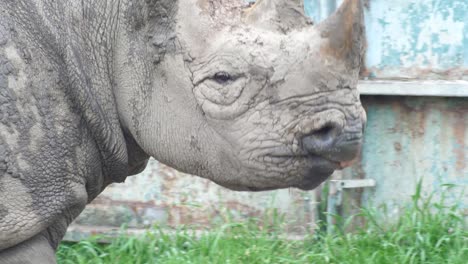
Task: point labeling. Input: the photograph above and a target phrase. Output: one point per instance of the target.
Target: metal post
(335, 196)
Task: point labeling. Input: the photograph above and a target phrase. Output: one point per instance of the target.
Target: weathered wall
(415, 39)
(408, 139)
(161, 195)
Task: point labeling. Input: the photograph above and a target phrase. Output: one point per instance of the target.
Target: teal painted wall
(413, 138)
(415, 39)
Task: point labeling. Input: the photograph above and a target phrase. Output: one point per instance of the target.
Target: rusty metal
(410, 39)
(352, 184)
(335, 197)
(408, 139)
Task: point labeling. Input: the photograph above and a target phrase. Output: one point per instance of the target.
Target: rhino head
(251, 96)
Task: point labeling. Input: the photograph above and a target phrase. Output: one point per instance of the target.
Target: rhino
(252, 96)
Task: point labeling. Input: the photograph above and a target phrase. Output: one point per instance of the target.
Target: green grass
(426, 233)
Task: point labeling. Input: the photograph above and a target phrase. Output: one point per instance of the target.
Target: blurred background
(414, 86)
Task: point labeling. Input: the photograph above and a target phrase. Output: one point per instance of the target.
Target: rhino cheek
(168, 124)
(226, 145)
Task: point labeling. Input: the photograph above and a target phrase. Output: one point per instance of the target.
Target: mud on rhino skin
(252, 97)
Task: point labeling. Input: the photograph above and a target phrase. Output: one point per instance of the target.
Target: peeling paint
(411, 39)
(408, 139)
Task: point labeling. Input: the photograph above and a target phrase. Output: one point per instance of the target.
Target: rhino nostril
(324, 132)
(321, 139)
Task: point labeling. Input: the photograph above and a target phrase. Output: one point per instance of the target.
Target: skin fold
(252, 97)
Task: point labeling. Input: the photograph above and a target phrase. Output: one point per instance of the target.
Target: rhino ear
(344, 33)
(282, 15)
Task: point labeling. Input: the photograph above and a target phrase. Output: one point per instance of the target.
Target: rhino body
(252, 97)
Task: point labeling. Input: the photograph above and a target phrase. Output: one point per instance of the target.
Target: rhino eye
(222, 77)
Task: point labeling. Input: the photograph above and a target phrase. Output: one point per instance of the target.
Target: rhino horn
(344, 33)
(282, 15)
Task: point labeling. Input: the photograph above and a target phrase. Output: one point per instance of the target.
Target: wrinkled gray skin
(250, 97)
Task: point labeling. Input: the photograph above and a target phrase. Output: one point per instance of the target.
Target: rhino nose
(335, 142)
(322, 140)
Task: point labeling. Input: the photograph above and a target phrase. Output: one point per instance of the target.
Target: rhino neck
(90, 49)
(78, 37)
(145, 35)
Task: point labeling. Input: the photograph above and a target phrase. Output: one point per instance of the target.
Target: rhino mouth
(321, 171)
(317, 169)
(309, 171)
(313, 169)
